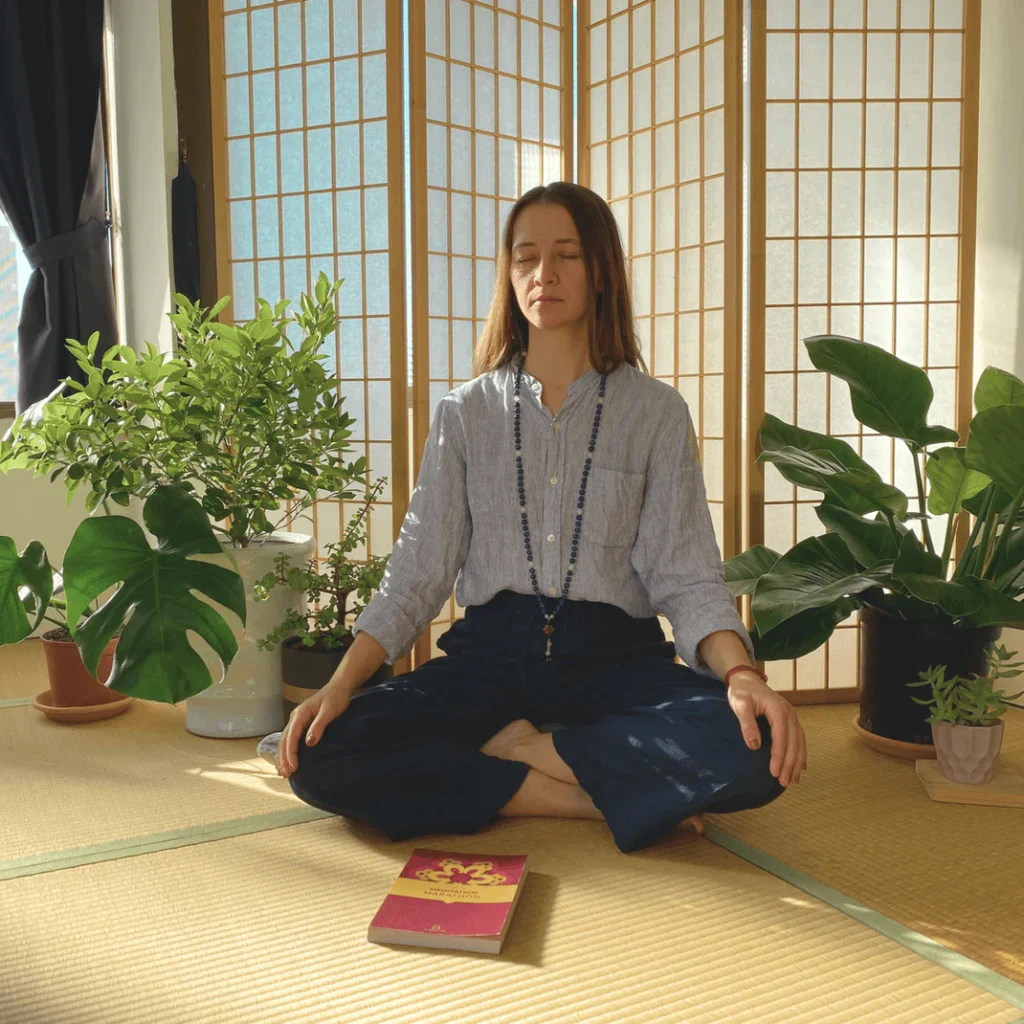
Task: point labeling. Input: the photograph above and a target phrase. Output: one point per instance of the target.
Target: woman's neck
(557, 360)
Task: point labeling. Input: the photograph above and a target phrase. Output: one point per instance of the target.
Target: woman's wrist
(738, 670)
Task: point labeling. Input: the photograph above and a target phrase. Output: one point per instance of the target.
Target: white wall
(999, 308)
(143, 145)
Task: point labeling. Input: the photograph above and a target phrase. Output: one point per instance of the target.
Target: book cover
(452, 900)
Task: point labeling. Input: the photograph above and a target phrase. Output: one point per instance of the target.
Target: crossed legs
(550, 789)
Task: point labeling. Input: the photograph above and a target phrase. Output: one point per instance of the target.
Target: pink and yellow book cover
(452, 893)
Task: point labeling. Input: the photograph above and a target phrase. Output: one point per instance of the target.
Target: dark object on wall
(53, 182)
(184, 229)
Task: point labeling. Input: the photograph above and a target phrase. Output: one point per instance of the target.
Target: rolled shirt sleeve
(676, 553)
(432, 544)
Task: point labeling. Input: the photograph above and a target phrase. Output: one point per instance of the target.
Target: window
(14, 272)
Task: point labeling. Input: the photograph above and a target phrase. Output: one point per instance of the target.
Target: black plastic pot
(305, 670)
(894, 652)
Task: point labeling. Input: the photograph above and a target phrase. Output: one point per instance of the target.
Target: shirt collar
(579, 384)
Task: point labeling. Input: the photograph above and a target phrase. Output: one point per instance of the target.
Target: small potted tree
(137, 641)
(966, 716)
(245, 417)
(313, 643)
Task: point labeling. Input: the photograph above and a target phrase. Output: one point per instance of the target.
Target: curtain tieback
(71, 243)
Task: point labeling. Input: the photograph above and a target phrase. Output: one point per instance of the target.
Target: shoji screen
(491, 112)
(309, 178)
(661, 139)
(863, 171)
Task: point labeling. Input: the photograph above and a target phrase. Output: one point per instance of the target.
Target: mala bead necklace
(548, 616)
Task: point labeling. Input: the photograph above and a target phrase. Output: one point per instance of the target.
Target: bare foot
(501, 743)
(695, 822)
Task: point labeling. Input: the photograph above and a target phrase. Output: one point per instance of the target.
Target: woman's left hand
(749, 697)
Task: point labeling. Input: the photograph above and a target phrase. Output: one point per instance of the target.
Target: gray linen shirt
(647, 543)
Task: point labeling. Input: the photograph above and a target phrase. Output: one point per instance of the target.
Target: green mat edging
(964, 967)
(15, 702)
(57, 860)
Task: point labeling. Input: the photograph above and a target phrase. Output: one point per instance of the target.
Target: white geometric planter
(248, 701)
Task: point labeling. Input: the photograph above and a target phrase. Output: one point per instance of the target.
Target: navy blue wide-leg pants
(649, 740)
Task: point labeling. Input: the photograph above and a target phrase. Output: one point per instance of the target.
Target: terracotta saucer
(894, 748)
(85, 713)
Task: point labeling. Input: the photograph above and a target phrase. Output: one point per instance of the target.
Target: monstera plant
(871, 557)
(152, 606)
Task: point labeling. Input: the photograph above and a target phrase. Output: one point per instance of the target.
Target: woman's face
(546, 267)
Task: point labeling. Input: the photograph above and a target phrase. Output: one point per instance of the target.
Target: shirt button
(553, 591)
(554, 479)
(551, 536)
(557, 426)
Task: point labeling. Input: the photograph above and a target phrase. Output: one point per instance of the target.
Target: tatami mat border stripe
(15, 702)
(962, 966)
(57, 860)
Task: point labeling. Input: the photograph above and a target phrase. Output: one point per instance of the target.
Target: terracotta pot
(893, 652)
(71, 686)
(967, 753)
(304, 671)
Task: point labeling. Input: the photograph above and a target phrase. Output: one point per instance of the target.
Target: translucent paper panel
(657, 126)
(862, 204)
(494, 129)
(306, 158)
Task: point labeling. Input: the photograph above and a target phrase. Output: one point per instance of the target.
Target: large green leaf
(22, 577)
(997, 387)
(857, 489)
(995, 608)
(804, 632)
(154, 657)
(817, 572)
(869, 540)
(920, 573)
(888, 394)
(976, 504)
(742, 571)
(1010, 564)
(776, 433)
(952, 482)
(995, 446)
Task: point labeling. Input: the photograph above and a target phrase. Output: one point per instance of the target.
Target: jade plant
(152, 609)
(324, 626)
(970, 700)
(871, 554)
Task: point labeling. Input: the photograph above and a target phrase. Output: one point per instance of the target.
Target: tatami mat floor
(148, 875)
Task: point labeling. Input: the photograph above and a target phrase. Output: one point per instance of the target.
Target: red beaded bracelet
(744, 668)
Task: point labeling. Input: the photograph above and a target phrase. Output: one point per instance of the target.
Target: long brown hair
(610, 330)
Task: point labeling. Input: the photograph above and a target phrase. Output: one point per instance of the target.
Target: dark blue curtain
(52, 181)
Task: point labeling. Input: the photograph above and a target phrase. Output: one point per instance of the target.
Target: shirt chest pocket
(611, 513)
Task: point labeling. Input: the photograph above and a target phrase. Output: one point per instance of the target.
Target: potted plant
(313, 643)
(241, 416)
(137, 641)
(966, 717)
(916, 608)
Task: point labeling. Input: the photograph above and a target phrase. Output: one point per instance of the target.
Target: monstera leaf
(154, 658)
(26, 585)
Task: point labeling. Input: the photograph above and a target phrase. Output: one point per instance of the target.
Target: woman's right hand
(320, 709)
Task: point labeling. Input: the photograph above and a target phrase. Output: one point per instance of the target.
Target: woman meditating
(560, 490)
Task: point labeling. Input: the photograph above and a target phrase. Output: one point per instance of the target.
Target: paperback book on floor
(451, 900)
